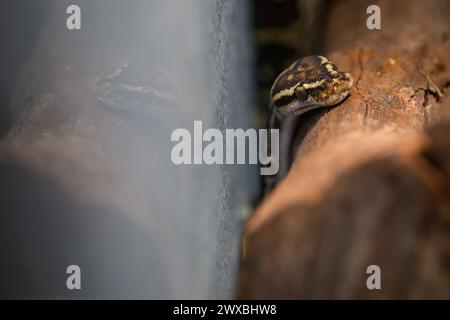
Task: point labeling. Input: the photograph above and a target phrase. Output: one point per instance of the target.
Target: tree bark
(371, 181)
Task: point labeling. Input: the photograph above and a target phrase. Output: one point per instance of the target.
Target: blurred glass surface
(155, 230)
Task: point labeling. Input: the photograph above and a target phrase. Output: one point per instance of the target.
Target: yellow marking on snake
(313, 84)
(286, 92)
(329, 67)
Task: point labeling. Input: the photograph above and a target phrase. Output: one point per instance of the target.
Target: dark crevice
(361, 67)
(445, 87)
(433, 88)
(366, 112)
(361, 71)
(426, 101)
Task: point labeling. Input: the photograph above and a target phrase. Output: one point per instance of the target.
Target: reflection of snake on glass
(138, 90)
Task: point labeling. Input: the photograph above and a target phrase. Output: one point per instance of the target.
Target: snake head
(309, 83)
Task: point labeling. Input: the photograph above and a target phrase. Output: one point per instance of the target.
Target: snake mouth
(343, 96)
(298, 107)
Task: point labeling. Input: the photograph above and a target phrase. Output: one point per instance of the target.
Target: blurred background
(85, 169)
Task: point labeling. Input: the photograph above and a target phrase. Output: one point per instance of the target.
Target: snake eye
(301, 93)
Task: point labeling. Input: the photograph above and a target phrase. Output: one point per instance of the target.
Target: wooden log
(370, 183)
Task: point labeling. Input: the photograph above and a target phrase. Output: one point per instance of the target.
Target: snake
(311, 82)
